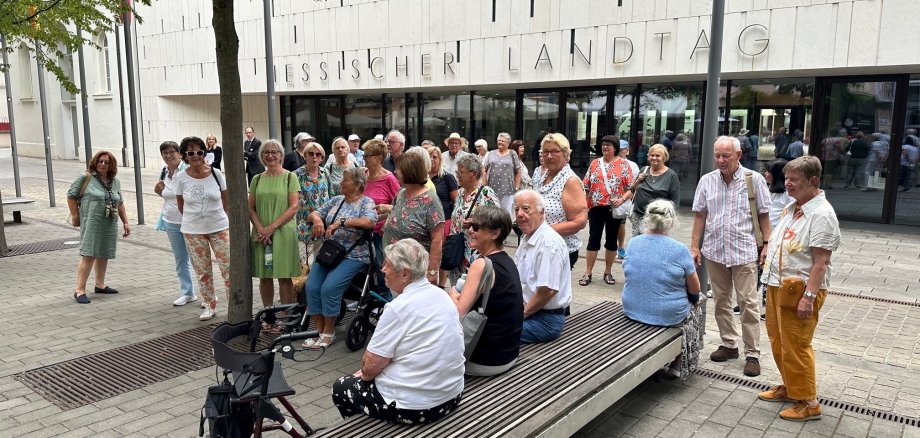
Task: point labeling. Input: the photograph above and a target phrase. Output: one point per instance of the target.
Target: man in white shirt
(722, 206)
(543, 263)
(453, 153)
(354, 144)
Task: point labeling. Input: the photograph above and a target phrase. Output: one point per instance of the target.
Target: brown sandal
(585, 280)
(608, 278)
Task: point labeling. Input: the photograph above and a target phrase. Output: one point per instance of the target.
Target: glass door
(586, 123)
(775, 128)
(908, 200)
(540, 115)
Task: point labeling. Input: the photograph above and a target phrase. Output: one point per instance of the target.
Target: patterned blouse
(363, 207)
(314, 192)
(413, 218)
(552, 196)
(461, 207)
(600, 190)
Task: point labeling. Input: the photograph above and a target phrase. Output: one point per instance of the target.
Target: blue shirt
(656, 268)
(363, 207)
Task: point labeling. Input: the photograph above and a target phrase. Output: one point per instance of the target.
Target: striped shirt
(728, 238)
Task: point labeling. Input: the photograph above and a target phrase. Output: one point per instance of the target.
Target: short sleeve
(451, 182)
(547, 269)
(699, 198)
(367, 209)
(824, 233)
(179, 183)
(674, 190)
(293, 183)
(221, 179)
(763, 194)
(323, 211)
(684, 258)
(390, 330)
(74, 191)
(435, 213)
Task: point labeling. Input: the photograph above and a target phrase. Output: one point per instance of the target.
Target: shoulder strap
(337, 211)
(752, 200)
(86, 178)
(602, 168)
(488, 276)
(216, 179)
(255, 181)
(473, 205)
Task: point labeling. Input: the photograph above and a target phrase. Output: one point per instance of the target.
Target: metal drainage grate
(883, 300)
(849, 407)
(43, 246)
(99, 376)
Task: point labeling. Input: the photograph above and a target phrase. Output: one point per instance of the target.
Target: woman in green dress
(96, 204)
(274, 198)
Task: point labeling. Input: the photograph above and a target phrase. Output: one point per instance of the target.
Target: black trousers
(355, 396)
(601, 221)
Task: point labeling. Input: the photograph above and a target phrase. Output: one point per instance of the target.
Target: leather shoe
(105, 290)
(82, 299)
(800, 411)
(775, 394)
(751, 367)
(723, 353)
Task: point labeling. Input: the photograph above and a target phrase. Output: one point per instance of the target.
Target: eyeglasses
(271, 153)
(606, 145)
(193, 153)
(168, 152)
(102, 162)
(315, 154)
(551, 152)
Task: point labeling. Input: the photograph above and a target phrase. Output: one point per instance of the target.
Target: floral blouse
(363, 207)
(462, 205)
(314, 192)
(619, 178)
(413, 218)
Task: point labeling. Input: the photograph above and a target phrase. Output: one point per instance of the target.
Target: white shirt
(170, 207)
(420, 332)
(448, 164)
(203, 210)
(817, 228)
(778, 201)
(543, 260)
(729, 235)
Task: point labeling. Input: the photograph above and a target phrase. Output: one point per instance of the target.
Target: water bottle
(268, 256)
(459, 284)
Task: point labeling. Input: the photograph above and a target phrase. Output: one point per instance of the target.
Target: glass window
(401, 114)
(586, 122)
(328, 122)
(66, 63)
(854, 144)
(773, 112)
(908, 205)
(493, 112)
(443, 114)
(541, 115)
(623, 112)
(672, 115)
(25, 73)
(363, 116)
(105, 71)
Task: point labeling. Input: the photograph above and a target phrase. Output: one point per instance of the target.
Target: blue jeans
(382, 288)
(325, 288)
(542, 327)
(180, 253)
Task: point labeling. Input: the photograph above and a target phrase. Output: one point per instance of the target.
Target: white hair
(736, 144)
(408, 254)
(538, 198)
(660, 216)
(482, 143)
(398, 136)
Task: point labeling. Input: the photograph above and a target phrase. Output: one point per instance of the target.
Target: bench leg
(17, 217)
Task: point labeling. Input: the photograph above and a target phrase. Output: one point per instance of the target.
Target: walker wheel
(357, 333)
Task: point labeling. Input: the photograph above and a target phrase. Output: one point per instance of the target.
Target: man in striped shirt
(722, 209)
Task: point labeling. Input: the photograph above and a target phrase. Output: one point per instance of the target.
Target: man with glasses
(396, 142)
(354, 145)
(453, 153)
(251, 152)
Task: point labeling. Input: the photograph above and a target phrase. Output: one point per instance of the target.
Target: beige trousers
(742, 280)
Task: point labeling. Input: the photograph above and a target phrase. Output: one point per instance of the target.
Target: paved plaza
(866, 344)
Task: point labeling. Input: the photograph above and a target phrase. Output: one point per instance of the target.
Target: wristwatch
(342, 222)
(809, 294)
(432, 272)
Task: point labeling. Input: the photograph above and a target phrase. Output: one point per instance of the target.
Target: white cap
(378, 137)
(354, 137)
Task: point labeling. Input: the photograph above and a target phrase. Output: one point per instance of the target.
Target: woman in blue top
(344, 218)
(662, 287)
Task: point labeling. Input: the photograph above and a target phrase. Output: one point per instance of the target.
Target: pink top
(382, 191)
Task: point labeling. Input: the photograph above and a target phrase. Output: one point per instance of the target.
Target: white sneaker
(185, 299)
(207, 314)
(204, 305)
(352, 305)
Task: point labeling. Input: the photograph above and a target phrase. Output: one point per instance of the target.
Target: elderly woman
(416, 213)
(801, 244)
(608, 181)
(502, 172)
(445, 186)
(344, 218)
(294, 159)
(469, 175)
(337, 166)
(171, 220)
(214, 154)
(482, 149)
(662, 287)
(657, 181)
(314, 192)
(412, 371)
(562, 190)
(498, 346)
(201, 195)
(96, 204)
(274, 198)
(382, 187)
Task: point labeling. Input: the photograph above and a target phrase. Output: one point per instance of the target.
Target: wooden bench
(16, 205)
(555, 389)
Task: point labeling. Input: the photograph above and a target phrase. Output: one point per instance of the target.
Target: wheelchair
(240, 406)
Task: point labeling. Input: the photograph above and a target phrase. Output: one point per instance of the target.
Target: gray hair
(427, 143)
(399, 136)
(470, 163)
(504, 135)
(660, 216)
(269, 145)
(408, 254)
(301, 136)
(541, 206)
(494, 218)
(357, 176)
(736, 144)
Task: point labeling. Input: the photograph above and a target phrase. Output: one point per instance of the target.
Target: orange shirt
(619, 178)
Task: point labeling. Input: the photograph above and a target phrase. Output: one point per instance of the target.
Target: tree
(231, 123)
(48, 28)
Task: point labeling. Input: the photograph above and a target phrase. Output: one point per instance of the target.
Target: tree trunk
(231, 122)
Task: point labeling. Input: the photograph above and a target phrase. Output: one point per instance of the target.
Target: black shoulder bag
(331, 253)
(452, 251)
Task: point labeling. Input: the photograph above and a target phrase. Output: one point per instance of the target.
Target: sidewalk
(866, 349)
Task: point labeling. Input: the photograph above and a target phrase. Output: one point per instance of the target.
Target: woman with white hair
(337, 165)
(482, 149)
(412, 370)
(662, 287)
(502, 172)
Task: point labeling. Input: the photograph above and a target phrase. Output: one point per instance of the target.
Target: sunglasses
(315, 154)
(475, 227)
(194, 153)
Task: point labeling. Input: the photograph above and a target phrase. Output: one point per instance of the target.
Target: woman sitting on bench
(662, 287)
(412, 371)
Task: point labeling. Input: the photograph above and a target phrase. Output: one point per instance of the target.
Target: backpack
(226, 419)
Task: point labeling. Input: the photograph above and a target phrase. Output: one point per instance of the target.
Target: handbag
(474, 322)
(791, 289)
(626, 207)
(454, 247)
(331, 253)
(75, 221)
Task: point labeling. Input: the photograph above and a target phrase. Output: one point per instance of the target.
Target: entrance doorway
(775, 127)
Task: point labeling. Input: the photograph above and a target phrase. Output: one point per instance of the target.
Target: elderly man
(721, 204)
(453, 153)
(354, 145)
(396, 143)
(294, 159)
(543, 263)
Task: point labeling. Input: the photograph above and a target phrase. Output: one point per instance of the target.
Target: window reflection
(586, 119)
(664, 113)
(493, 112)
(443, 114)
(363, 116)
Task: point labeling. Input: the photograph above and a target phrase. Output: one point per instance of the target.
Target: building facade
(829, 71)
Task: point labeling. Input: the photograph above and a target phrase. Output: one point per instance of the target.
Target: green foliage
(47, 28)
